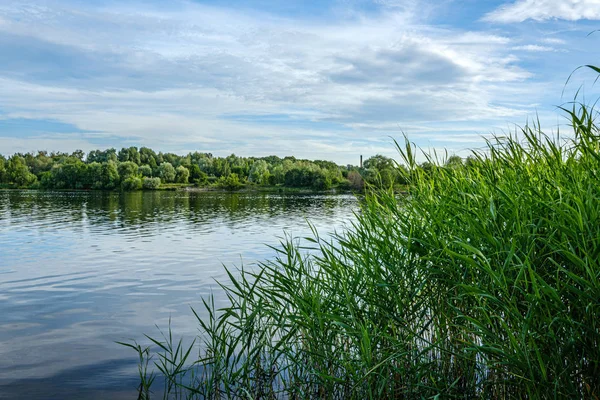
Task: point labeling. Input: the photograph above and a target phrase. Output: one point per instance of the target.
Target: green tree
(42, 162)
(197, 176)
(145, 171)
(221, 167)
(3, 174)
(127, 169)
(206, 165)
(129, 154)
(195, 172)
(94, 156)
(102, 156)
(109, 175)
(277, 175)
(46, 180)
(123, 155)
(174, 159)
(19, 173)
(320, 180)
(70, 175)
(239, 165)
(259, 172)
(78, 154)
(307, 176)
(93, 177)
(166, 172)
(379, 163)
(294, 178)
(148, 157)
(182, 174)
(111, 155)
(454, 161)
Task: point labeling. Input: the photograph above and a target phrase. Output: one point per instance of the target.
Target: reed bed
(483, 281)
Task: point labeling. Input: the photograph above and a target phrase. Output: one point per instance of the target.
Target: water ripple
(81, 270)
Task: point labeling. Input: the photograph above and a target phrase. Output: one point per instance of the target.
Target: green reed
(482, 282)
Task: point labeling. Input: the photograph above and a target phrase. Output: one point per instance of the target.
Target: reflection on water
(80, 270)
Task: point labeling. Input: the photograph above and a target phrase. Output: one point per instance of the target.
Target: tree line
(134, 169)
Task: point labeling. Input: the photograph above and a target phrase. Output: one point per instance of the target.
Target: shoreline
(195, 189)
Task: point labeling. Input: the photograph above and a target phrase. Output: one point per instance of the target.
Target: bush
(132, 183)
(151, 183)
(231, 182)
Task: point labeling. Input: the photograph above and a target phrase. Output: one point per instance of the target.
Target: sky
(327, 79)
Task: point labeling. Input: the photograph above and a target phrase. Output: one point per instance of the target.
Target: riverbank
(192, 188)
(402, 189)
(265, 189)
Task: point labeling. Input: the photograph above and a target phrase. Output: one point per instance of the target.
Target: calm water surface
(81, 270)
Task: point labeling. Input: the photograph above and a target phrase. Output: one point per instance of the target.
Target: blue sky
(326, 79)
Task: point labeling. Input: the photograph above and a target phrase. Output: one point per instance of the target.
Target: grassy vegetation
(483, 282)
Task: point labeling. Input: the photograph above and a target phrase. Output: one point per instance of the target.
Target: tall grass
(482, 282)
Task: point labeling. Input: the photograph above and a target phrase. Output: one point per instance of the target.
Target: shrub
(231, 182)
(132, 183)
(151, 183)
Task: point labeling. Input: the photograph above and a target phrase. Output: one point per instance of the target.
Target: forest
(136, 169)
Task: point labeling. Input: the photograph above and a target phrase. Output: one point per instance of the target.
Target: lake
(81, 270)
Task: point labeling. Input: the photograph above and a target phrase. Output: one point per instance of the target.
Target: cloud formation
(534, 47)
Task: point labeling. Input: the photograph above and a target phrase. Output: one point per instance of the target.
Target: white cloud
(554, 41)
(534, 48)
(542, 10)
